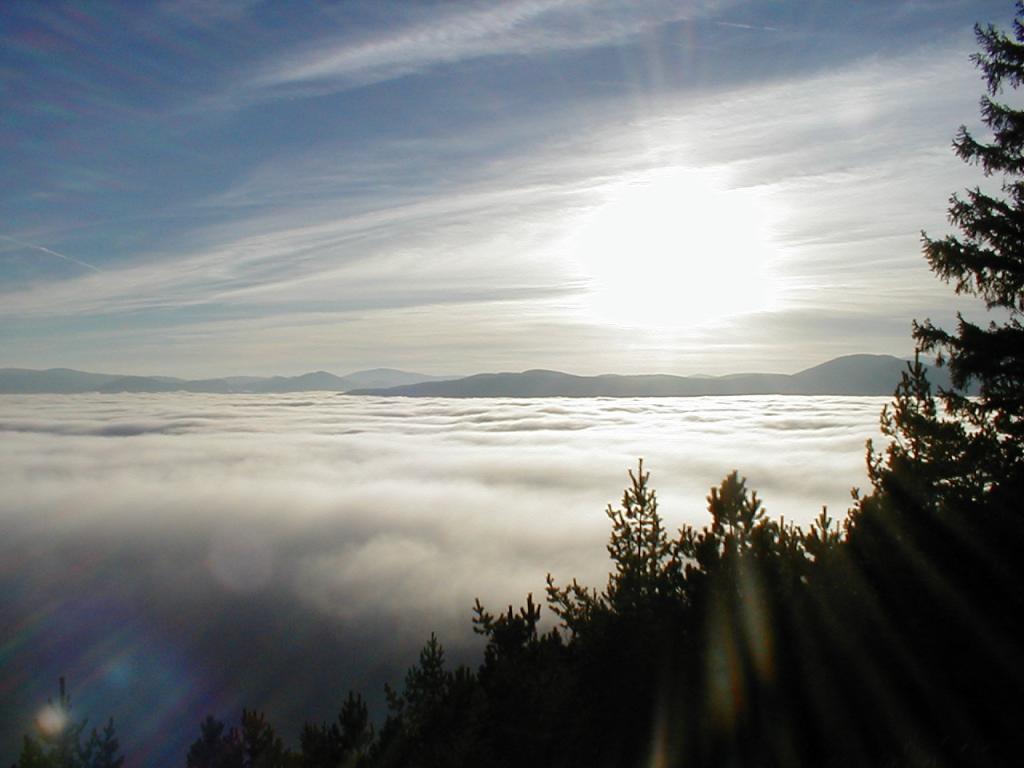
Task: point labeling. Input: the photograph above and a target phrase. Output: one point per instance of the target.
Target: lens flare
(51, 720)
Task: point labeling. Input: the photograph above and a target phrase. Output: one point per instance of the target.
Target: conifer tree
(950, 480)
(103, 750)
(648, 571)
(936, 545)
(261, 746)
(987, 260)
(427, 724)
(216, 747)
(355, 729)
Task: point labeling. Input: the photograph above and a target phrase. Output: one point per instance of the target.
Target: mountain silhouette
(848, 375)
(68, 381)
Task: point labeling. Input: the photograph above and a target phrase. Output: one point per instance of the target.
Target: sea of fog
(182, 554)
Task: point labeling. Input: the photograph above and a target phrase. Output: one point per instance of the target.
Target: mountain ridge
(70, 381)
(860, 374)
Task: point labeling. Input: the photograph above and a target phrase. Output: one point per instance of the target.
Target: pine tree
(345, 743)
(261, 746)
(646, 569)
(951, 480)
(354, 728)
(935, 547)
(428, 724)
(103, 750)
(987, 260)
(216, 747)
(426, 686)
(648, 572)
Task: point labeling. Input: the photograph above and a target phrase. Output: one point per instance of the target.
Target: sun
(674, 248)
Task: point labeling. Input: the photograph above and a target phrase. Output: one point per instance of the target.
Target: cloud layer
(191, 553)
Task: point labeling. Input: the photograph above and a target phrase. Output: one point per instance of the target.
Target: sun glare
(51, 720)
(674, 248)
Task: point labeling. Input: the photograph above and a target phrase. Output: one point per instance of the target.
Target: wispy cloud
(425, 248)
(519, 28)
(752, 27)
(846, 167)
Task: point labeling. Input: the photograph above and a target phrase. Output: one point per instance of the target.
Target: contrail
(73, 260)
(737, 25)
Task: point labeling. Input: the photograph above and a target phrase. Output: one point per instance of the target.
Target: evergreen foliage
(254, 744)
(987, 260)
(345, 742)
(215, 747)
(938, 540)
(103, 750)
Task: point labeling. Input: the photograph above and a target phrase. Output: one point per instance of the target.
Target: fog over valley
(174, 554)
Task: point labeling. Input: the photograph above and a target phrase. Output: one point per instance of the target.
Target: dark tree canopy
(987, 258)
(937, 543)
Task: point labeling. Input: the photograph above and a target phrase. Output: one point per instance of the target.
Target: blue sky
(197, 189)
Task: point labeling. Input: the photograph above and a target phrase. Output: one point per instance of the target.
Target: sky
(692, 187)
(178, 555)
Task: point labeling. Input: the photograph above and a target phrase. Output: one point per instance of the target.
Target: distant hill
(387, 377)
(67, 381)
(849, 375)
(55, 380)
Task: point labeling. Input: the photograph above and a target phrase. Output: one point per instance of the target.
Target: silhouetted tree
(428, 723)
(524, 688)
(320, 746)
(261, 746)
(685, 657)
(254, 744)
(355, 728)
(987, 259)
(342, 744)
(103, 750)
(216, 747)
(935, 548)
